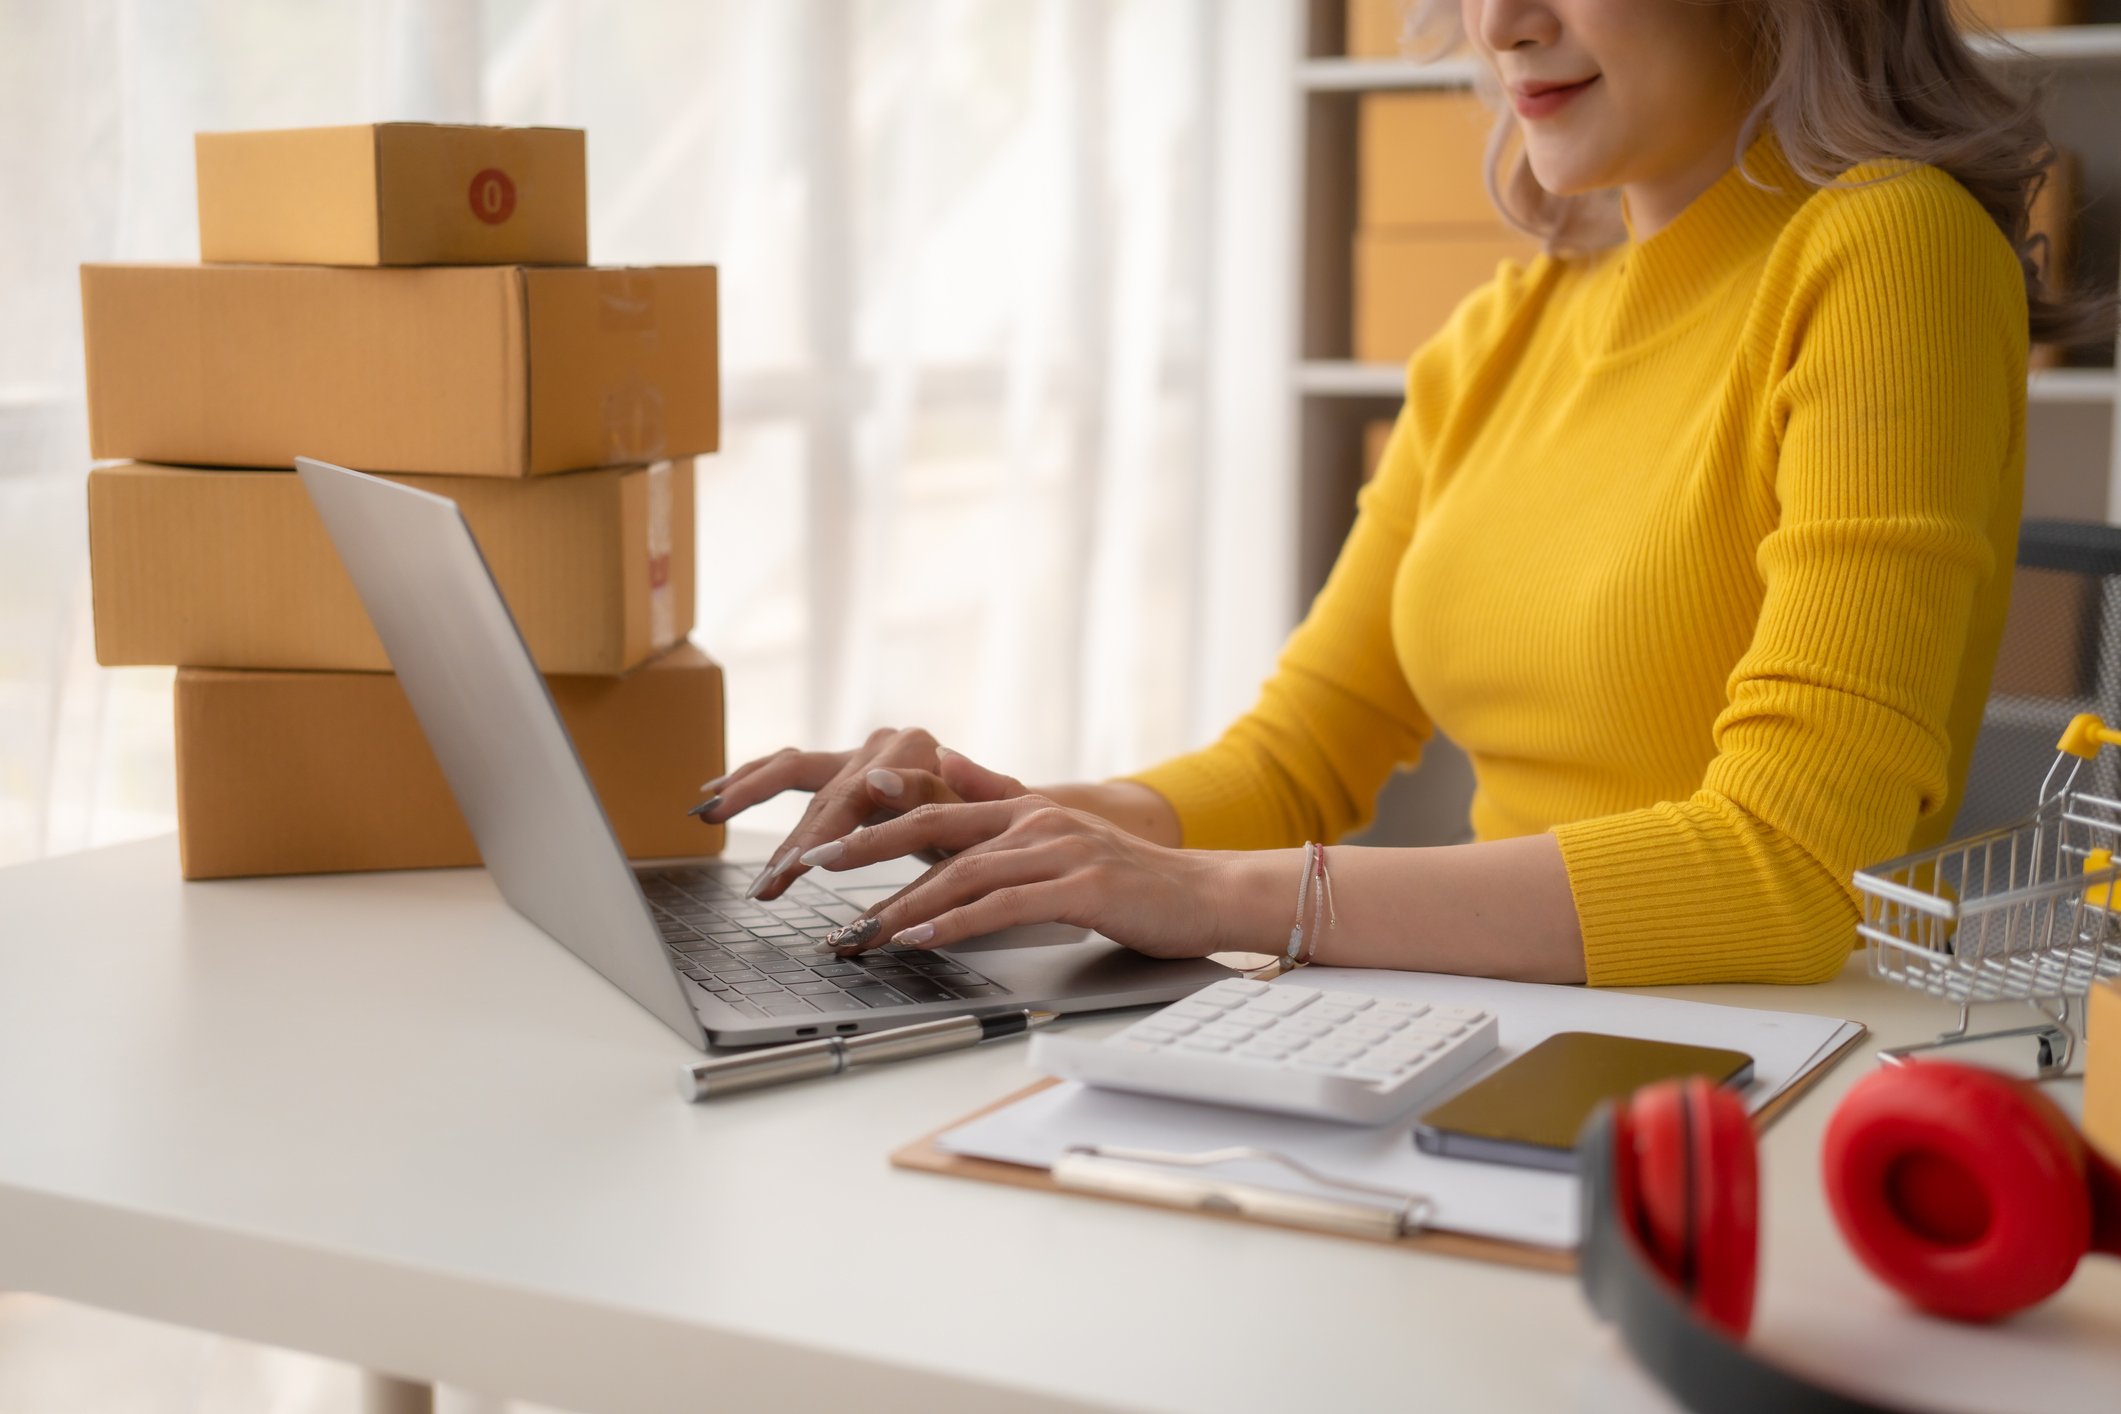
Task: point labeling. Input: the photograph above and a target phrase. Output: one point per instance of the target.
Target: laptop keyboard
(764, 958)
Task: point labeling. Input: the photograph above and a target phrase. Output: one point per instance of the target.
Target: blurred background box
(1427, 233)
(233, 569)
(1376, 27)
(395, 194)
(461, 370)
(1422, 161)
(297, 773)
(2102, 1069)
(1374, 437)
(2021, 14)
(1407, 284)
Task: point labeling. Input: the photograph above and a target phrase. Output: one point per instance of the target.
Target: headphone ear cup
(1696, 1188)
(1962, 1189)
(1652, 1135)
(1726, 1205)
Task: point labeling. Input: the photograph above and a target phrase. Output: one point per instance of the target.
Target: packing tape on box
(633, 423)
(662, 595)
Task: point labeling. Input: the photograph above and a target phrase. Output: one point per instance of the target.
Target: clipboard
(923, 1155)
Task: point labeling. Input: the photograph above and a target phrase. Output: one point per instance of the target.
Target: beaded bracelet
(1303, 935)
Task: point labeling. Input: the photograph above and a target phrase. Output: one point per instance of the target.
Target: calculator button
(1194, 1010)
(1284, 1000)
(1224, 1031)
(1204, 1043)
(1235, 988)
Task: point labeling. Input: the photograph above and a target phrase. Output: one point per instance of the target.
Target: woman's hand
(892, 772)
(1027, 860)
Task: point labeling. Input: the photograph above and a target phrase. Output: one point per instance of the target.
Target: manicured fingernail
(825, 853)
(916, 935)
(942, 751)
(766, 875)
(851, 937)
(705, 807)
(887, 782)
(718, 782)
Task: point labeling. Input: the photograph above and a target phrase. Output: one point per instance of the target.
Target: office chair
(2060, 655)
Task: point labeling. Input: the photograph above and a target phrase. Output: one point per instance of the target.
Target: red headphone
(1967, 1192)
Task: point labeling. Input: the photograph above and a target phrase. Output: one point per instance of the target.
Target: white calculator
(1298, 1050)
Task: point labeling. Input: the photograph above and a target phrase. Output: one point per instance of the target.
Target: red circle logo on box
(493, 196)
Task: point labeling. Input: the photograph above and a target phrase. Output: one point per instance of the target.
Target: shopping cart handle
(2085, 734)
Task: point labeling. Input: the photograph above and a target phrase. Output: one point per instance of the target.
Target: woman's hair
(1841, 82)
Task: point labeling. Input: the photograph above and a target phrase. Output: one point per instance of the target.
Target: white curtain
(1004, 336)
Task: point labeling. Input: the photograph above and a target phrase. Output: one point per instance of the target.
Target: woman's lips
(1542, 100)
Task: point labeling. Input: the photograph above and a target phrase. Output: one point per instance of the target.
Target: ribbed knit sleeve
(1895, 389)
(1308, 760)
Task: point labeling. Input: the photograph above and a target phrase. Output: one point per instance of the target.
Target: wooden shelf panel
(2065, 46)
(1345, 378)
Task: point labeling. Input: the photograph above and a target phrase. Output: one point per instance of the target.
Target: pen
(775, 1065)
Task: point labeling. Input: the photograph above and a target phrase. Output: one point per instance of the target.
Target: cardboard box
(1406, 285)
(2021, 14)
(233, 569)
(298, 773)
(395, 194)
(464, 370)
(1374, 437)
(1377, 28)
(1422, 161)
(2102, 1069)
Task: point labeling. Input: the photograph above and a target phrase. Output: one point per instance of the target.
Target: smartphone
(1528, 1112)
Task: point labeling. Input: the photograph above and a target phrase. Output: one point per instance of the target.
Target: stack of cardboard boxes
(410, 300)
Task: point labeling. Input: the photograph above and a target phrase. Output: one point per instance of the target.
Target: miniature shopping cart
(2028, 913)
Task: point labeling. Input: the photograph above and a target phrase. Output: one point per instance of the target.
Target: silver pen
(805, 1060)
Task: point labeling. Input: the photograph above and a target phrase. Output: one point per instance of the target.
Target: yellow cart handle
(2085, 734)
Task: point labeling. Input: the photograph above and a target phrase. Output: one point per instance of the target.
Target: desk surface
(383, 1119)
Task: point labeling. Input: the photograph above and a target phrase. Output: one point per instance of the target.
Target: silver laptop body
(677, 938)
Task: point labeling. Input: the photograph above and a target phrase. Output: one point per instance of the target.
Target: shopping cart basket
(2028, 913)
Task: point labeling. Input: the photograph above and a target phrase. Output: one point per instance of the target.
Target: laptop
(680, 939)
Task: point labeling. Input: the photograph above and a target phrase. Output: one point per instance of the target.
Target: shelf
(2072, 385)
(1360, 75)
(2065, 46)
(1344, 378)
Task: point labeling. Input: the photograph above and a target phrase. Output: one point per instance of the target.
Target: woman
(1695, 533)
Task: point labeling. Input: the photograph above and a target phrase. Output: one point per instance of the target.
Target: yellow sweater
(1700, 548)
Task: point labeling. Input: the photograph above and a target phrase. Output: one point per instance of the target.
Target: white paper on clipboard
(1479, 1199)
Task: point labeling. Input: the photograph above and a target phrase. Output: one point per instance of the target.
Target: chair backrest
(2060, 655)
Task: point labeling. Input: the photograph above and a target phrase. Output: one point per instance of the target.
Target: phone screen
(1529, 1111)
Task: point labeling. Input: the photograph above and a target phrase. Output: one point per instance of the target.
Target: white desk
(383, 1119)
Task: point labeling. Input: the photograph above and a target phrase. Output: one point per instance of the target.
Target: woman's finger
(846, 805)
(786, 769)
(979, 869)
(1044, 900)
(969, 780)
(952, 826)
